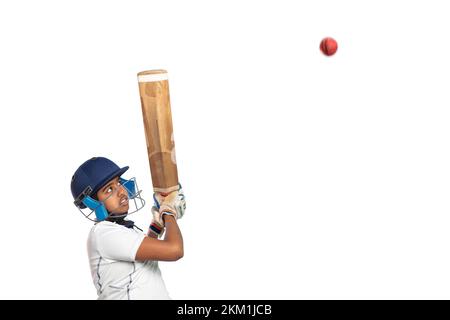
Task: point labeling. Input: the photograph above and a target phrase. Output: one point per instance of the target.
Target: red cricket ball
(328, 46)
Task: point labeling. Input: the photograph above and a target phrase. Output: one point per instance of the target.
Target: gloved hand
(157, 225)
(173, 203)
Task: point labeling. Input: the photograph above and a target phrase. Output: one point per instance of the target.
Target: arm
(168, 249)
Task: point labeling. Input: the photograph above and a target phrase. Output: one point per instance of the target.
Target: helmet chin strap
(120, 219)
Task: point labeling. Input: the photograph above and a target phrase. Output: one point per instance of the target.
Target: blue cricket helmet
(92, 175)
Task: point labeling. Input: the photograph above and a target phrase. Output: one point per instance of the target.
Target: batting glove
(157, 225)
(173, 204)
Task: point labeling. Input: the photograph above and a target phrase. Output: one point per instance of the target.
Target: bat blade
(157, 116)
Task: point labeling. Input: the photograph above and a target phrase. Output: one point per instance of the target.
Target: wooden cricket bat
(157, 115)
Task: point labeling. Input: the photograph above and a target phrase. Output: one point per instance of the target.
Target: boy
(123, 260)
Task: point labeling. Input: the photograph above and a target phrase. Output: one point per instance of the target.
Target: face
(114, 196)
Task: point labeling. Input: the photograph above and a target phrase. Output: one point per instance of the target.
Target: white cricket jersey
(116, 274)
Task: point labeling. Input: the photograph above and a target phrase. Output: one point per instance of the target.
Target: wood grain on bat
(157, 116)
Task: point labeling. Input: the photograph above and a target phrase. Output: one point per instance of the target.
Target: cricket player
(123, 260)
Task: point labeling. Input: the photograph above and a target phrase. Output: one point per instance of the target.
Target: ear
(100, 211)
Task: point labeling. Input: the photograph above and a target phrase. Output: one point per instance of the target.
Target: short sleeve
(117, 242)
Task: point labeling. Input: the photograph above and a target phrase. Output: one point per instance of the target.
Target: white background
(307, 177)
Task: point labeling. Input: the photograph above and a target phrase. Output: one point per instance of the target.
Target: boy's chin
(119, 213)
(120, 210)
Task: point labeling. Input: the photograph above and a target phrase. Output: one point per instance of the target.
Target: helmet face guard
(87, 205)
